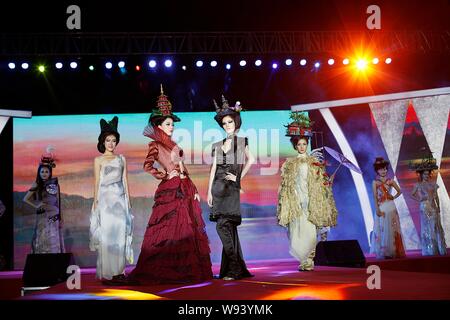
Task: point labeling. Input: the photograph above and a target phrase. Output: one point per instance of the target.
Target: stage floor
(415, 277)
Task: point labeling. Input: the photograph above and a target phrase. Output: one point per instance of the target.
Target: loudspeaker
(46, 269)
(342, 253)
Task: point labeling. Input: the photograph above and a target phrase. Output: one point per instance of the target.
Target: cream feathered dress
(305, 203)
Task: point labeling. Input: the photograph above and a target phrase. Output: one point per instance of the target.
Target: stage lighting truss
(298, 63)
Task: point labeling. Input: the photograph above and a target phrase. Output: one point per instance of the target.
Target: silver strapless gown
(111, 222)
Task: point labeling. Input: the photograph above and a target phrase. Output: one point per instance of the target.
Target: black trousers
(233, 264)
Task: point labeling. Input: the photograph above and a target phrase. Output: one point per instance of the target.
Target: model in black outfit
(231, 162)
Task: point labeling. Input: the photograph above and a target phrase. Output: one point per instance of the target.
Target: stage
(414, 277)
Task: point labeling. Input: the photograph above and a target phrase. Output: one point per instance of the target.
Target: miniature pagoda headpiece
(300, 126)
(163, 109)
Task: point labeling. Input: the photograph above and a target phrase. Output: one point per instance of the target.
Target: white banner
(3, 121)
(390, 119)
(432, 113)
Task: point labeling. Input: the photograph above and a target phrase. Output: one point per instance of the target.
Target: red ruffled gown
(175, 247)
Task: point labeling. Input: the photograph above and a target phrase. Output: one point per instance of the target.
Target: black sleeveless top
(226, 193)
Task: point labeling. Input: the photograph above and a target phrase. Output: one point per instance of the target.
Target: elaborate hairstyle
(162, 111)
(380, 163)
(107, 129)
(427, 163)
(295, 139)
(226, 110)
(236, 118)
(47, 161)
(156, 121)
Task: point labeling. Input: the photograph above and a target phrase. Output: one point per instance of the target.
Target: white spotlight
(288, 62)
(303, 62)
(242, 63)
(388, 60)
(213, 63)
(108, 65)
(58, 65)
(73, 65)
(168, 63)
(199, 63)
(152, 63)
(330, 62)
(25, 65)
(228, 66)
(11, 65)
(258, 63)
(121, 64)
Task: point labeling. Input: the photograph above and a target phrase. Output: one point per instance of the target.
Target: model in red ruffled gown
(175, 247)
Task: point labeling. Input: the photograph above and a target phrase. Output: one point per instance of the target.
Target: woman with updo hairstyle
(387, 239)
(231, 161)
(425, 191)
(111, 220)
(102, 137)
(306, 204)
(296, 139)
(44, 196)
(175, 248)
